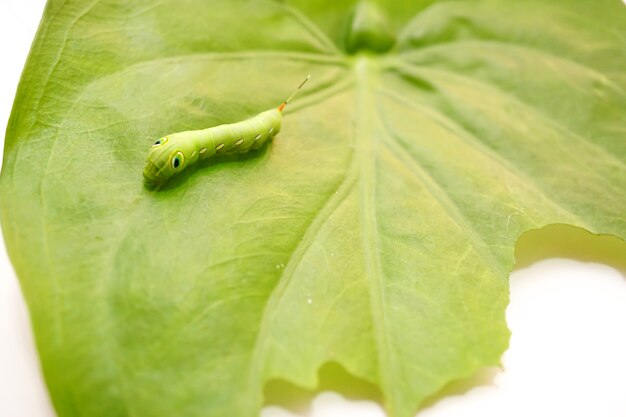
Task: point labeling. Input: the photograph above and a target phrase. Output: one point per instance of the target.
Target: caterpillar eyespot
(171, 154)
(178, 159)
(161, 141)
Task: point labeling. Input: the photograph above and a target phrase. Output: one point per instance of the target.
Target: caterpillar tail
(284, 103)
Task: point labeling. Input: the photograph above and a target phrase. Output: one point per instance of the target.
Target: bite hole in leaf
(331, 377)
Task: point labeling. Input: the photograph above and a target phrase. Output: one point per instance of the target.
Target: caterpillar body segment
(171, 154)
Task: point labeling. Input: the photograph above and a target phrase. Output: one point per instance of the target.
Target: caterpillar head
(165, 160)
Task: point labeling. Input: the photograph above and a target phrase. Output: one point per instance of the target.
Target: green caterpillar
(171, 154)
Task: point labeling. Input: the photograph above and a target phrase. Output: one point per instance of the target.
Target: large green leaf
(377, 230)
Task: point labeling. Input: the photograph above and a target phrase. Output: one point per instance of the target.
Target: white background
(567, 355)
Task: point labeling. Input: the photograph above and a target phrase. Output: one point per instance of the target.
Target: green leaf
(377, 230)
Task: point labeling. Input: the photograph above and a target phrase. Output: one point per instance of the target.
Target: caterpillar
(171, 154)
